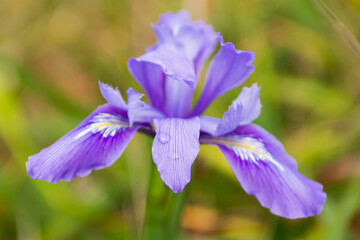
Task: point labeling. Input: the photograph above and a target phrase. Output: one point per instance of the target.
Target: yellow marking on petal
(94, 126)
(110, 124)
(97, 126)
(231, 143)
(262, 152)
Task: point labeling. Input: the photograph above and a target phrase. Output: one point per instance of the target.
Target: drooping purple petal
(228, 69)
(196, 39)
(112, 96)
(266, 171)
(174, 150)
(245, 109)
(139, 111)
(157, 72)
(96, 143)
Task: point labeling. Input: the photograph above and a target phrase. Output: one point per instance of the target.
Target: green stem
(175, 213)
(163, 210)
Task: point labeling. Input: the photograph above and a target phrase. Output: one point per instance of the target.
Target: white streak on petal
(247, 148)
(105, 123)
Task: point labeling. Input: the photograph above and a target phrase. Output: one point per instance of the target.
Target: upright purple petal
(245, 109)
(179, 96)
(174, 150)
(228, 69)
(96, 143)
(167, 77)
(112, 96)
(152, 79)
(139, 111)
(175, 20)
(173, 63)
(196, 39)
(266, 171)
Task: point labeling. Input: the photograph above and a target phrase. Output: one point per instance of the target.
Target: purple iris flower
(168, 73)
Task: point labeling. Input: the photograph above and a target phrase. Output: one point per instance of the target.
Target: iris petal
(178, 98)
(96, 143)
(174, 150)
(245, 109)
(175, 20)
(196, 39)
(209, 124)
(173, 63)
(152, 78)
(228, 69)
(167, 77)
(266, 171)
(139, 111)
(112, 96)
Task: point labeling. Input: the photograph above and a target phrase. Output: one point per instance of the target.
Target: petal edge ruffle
(228, 69)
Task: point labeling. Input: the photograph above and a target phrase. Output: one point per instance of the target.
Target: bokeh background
(52, 53)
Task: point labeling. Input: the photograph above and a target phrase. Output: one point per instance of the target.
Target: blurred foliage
(52, 54)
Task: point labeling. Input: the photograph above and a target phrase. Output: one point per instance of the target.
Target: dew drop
(164, 138)
(171, 158)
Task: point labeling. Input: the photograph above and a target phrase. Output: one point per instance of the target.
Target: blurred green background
(52, 53)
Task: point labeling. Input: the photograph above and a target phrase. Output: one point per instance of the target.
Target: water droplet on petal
(172, 158)
(164, 138)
